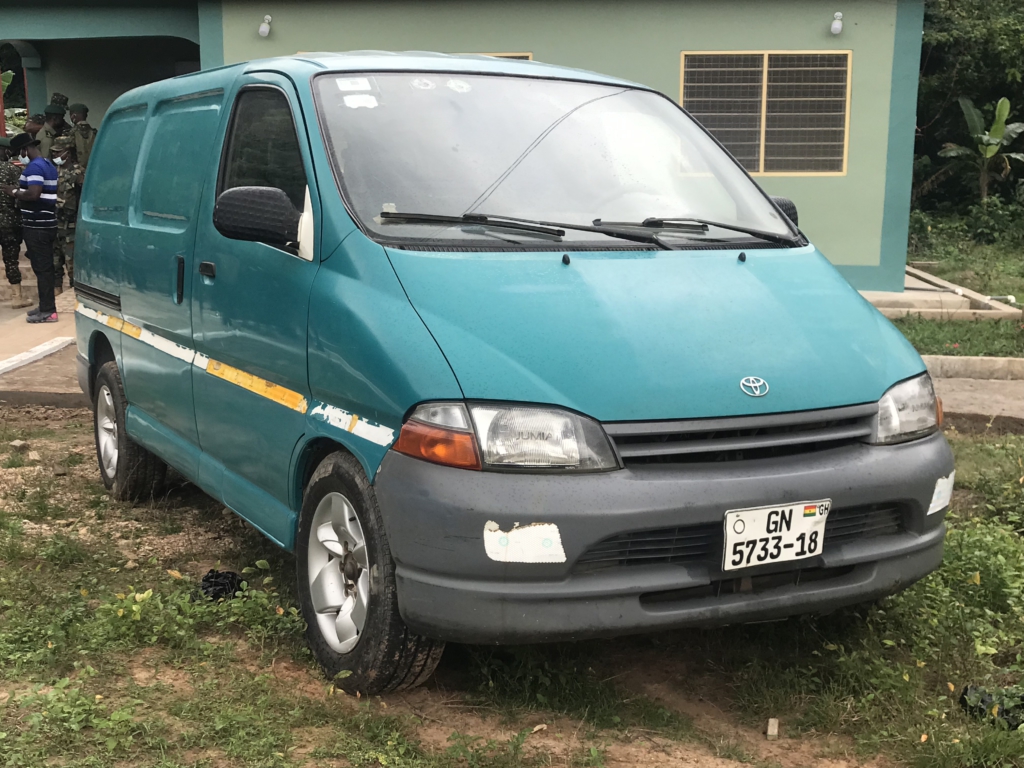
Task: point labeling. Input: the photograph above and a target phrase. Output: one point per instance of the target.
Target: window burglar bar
(783, 113)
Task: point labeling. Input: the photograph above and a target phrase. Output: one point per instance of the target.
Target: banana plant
(5, 80)
(990, 159)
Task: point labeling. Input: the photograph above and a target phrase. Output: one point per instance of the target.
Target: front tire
(129, 471)
(347, 590)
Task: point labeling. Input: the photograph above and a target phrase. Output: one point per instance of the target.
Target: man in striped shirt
(36, 194)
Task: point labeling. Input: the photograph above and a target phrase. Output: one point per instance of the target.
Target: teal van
(503, 352)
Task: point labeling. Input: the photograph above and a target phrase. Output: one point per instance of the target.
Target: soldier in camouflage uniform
(69, 185)
(34, 124)
(83, 133)
(53, 128)
(10, 225)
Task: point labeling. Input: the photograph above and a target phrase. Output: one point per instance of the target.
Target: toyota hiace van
(503, 352)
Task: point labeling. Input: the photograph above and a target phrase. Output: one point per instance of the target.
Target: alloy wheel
(339, 572)
(106, 431)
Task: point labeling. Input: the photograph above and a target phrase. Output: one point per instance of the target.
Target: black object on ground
(218, 585)
(1001, 705)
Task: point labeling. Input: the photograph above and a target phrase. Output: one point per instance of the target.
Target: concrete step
(918, 299)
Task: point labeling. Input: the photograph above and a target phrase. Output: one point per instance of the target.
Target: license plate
(774, 534)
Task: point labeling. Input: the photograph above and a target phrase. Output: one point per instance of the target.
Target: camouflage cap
(54, 109)
(62, 144)
(37, 118)
(79, 108)
(60, 99)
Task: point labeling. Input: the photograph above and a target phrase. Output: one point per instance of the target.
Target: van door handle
(208, 269)
(180, 292)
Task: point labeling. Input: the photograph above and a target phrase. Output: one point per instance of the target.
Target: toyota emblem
(754, 386)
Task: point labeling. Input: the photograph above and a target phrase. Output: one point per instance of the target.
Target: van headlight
(907, 411)
(508, 436)
(520, 436)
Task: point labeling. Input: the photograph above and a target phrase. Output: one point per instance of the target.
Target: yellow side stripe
(255, 384)
(336, 417)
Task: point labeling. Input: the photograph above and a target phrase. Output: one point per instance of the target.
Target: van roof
(303, 65)
(427, 61)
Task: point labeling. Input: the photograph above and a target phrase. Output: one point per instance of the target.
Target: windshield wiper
(524, 225)
(474, 219)
(702, 225)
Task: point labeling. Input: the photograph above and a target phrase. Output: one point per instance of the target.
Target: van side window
(114, 160)
(263, 149)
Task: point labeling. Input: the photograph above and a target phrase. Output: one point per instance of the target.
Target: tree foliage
(973, 49)
(989, 159)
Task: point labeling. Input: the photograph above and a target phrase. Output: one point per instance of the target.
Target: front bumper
(82, 371)
(448, 587)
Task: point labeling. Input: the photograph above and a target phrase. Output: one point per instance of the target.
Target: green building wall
(858, 220)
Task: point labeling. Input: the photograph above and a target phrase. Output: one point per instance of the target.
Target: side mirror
(788, 207)
(258, 214)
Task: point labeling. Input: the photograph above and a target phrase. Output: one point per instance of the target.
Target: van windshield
(448, 145)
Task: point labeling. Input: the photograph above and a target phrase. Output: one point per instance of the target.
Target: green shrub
(995, 221)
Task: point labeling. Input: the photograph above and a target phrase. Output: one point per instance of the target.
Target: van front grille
(741, 438)
(703, 543)
(864, 523)
(685, 544)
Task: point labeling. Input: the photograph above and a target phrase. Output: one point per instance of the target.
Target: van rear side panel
(157, 266)
(103, 210)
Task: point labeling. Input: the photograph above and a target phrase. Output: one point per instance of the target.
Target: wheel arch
(310, 455)
(319, 443)
(101, 352)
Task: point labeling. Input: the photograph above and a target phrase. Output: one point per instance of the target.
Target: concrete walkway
(47, 381)
(17, 336)
(982, 397)
(50, 381)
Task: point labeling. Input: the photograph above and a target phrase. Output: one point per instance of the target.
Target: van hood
(647, 335)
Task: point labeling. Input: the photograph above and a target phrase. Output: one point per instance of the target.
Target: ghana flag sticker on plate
(810, 510)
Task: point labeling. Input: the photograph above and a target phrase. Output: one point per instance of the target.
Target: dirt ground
(189, 532)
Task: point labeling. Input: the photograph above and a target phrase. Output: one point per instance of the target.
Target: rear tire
(129, 471)
(347, 590)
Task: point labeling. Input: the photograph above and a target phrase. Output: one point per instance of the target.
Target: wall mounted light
(837, 24)
(265, 27)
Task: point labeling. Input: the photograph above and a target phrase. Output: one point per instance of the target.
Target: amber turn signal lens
(438, 445)
(938, 412)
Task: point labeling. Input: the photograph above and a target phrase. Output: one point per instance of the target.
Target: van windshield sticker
(459, 86)
(360, 100)
(353, 84)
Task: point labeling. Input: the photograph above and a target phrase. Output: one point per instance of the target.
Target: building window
(781, 113)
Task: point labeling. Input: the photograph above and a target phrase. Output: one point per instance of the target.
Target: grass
(992, 270)
(993, 338)
(109, 666)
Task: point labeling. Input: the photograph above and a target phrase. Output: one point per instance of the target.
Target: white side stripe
(329, 414)
(164, 345)
(360, 427)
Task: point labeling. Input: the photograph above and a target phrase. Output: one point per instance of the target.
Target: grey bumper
(82, 369)
(448, 587)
